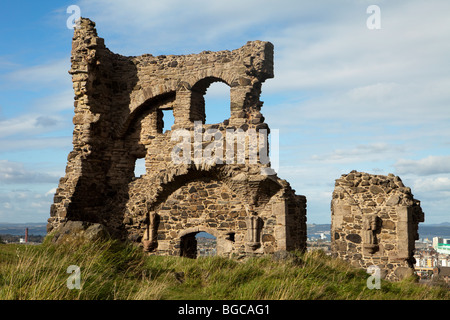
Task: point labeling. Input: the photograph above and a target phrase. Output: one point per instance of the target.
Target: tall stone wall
(119, 104)
(374, 222)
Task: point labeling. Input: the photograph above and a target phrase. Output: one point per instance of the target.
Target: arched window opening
(217, 103)
(210, 101)
(139, 167)
(162, 104)
(198, 244)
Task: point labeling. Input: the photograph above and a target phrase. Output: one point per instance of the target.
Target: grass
(115, 271)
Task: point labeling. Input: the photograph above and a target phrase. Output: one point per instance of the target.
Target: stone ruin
(374, 222)
(119, 104)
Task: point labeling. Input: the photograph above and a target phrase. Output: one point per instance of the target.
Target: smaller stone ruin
(374, 222)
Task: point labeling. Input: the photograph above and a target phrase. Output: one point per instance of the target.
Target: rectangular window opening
(167, 119)
(139, 167)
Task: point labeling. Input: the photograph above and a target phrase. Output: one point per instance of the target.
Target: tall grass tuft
(108, 270)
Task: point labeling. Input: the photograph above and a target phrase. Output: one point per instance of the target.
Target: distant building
(436, 241)
(441, 245)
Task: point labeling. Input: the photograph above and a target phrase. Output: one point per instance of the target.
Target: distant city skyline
(344, 97)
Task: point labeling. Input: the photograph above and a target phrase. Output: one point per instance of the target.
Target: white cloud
(27, 125)
(438, 184)
(343, 72)
(361, 153)
(189, 27)
(21, 206)
(40, 204)
(56, 101)
(426, 166)
(46, 124)
(50, 192)
(7, 64)
(54, 73)
(17, 125)
(16, 173)
(378, 92)
(34, 144)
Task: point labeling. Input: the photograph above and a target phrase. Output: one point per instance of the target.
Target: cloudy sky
(344, 97)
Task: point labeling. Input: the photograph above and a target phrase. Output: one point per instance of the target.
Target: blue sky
(344, 97)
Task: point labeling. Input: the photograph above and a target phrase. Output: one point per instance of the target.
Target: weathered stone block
(75, 232)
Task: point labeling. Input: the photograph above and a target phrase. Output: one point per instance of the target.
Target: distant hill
(205, 235)
(434, 230)
(442, 224)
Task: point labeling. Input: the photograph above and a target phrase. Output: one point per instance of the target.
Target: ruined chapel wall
(221, 207)
(118, 119)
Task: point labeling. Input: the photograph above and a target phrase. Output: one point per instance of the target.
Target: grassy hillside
(112, 270)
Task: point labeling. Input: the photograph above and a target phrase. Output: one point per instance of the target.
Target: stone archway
(198, 92)
(201, 205)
